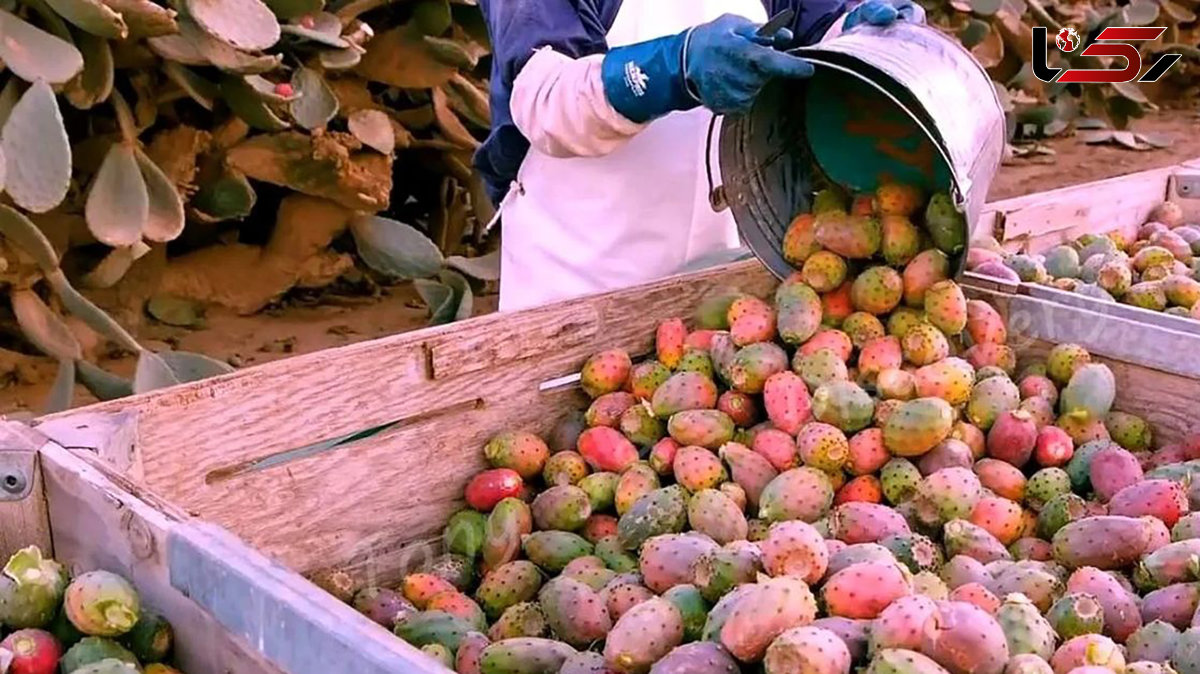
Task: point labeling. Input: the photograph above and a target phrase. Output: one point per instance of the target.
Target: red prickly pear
(877, 355)
(605, 449)
(608, 408)
(669, 340)
(662, 455)
(836, 305)
(807, 649)
(917, 426)
(684, 391)
(902, 623)
(696, 468)
(749, 470)
(860, 522)
(605, 372)
(1164, 499)
(862, 489)
(1012, 438)
(740, 407)
(924, 270)
(488, 488)
(777, 447)
(822, 446)
(976, 595)
(1122, 616)
(1111, 470)
(866, 452)
(33, 651)
(787, 402)
(521, 451)
(863, 590)
(620, 598)
(1054, 448)
(646, 377)
(835, 341)
(700, 339)
(717, 516)
(1088, 650)
(1003, 478)
(964, 639)
(800, 313)
(574, 612)
(751, 320)
(1106, 542)
(569, 467)
(752, 365)
(1000, 517)
(703, 428)
(598, 527)
(984, 324)
(642, 636)
(508, 522)
(798, 494)
(666, 560)
(763, 612)
(795, 548)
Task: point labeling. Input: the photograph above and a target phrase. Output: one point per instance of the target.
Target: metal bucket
(905, 103)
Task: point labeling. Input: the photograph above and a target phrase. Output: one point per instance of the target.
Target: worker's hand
(884, 13)
(726, 64)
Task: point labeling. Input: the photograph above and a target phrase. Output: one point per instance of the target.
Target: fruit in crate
(854, 473)
(1158, 268)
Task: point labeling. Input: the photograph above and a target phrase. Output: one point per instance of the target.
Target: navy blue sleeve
(813, 17)
(576, 28)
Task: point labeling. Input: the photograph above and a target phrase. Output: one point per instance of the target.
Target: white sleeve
(558, 103)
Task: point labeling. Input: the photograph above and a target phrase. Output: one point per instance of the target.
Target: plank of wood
(25, 520)
(98, 524)
(111, 437)
(1146, 317)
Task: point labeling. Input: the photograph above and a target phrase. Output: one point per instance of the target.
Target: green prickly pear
(31, 589)
(1024, 627)
(515, 582)
(717, 572)
(901, 661)
(525, 655)
(553, 550)
(562, 507)
(1076, 613)
(662, 511)
(703, 428)
(101, 603)
(519, 620)
(945, 224)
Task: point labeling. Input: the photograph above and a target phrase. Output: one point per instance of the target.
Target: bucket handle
(716, 193)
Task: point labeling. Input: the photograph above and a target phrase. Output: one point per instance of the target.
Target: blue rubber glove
(721, 65)
(884, 13)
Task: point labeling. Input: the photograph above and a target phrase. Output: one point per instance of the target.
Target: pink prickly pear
(1165, 499)
(645, 634)
(964, 639)
(605, 449)
(812, 650)
(666, 560)
(1054, 448)
(976, 595)
(866, 452)
(863, 590)
(748, 469)
(787, 402)
(902, 623)
(949, 453)
(795, 548)
(684, 391)
(1088, 650)
(763, 612)
(624, 596)
(1174, 604)
(608, 408)
(1112, 469)
(662, 455)
(716, 515)
(751, 320)
(1122, 616)
(877, 355)
(703, 428)
(574, 611)
(668, 341)
(605, 372)
(777, 447)
(964, 538)
(984, 323)
(1012, 438)
(993, 355)
(859, 522)
(697, 468)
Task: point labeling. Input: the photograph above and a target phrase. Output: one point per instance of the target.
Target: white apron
(590, 224)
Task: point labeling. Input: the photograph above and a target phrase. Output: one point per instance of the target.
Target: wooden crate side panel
(97, 525)
(25, 520)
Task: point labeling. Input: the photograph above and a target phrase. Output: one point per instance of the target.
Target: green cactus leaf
(323, 27)
(974, 32)
(177, 49)
(403, 58)
(247, 104)
(395, 249)
(439, 297)
(189, 366)
(293, 9)
(50, 20)
(100, 383)
(145, 18)
(114, 266)
(464, 300)
(1177, 12)
(92, 16)
(432, 16)
(449, 123)
(470, 20)
(199, 89)
(986, 7)
(63, 391)
(177, 311)
(248, 25)
(451, 53)
(95, 83)
(21, 231)
(340, 59)
(38, 151)
(152, 373)
(165, 218)
(118, 204)
(317, 103)
(9, 95)
(468, 101)
(33, 54)
(228, 197)
(269, 91)
(43, 327)
(374, 129)
(222, 55)
(1140, 13)
(89, 313)
(483, 267)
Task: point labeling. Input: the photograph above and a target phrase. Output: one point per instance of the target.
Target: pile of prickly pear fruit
(1159, 270)
(856, 474)
(93, 623)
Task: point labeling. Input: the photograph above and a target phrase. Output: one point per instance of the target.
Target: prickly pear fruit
(553, 550)
(666, 560)
(1090, 393)
(568, 467)
(964, 538)
(924, 344)
(777, 447)
(563, 507)
(752, 365)
(699, 657)
(646, 633)
(1076, 613)
(989, 399)
(977, 595)
(489, 487)
(854, 523)
(33, 651)
(1155, 641)
(1121, 614)
(820, 367)
(823, 271)
(702, 428)
(519, 620)
(807, 649)
(668, 341)
(851, 236)
(798, 494)
(946, 307)
(1063, 360)
(661, 511)
(901, 239)
(1012, 438)
(1130, 431)
(965, 640)
(763, 612)
(31, 589)
(1001, 518)
(99, 651)
(716, 515)
(1104, 542)
(877, 290)
(521, 451)
(750, 470)
(900, 480)
(794, 548)
(866, 452)
(1025, 630)
(508, 522)
(1111, 470)
(950, 379)
(574, 611)
(638, 480)
(684, 391)
(751, 320)
(924, 270)
(605, 372)
(646, 377)
(1165, 499)
(984, 324)
(515, 582)
(1173, 563)
(799, 313)
(843, 404)
(525, 655)
(1085, 650)
(863, 590)
(901, 661)
(917, 426)
(101, 603)
(877, 355)
(952, 492)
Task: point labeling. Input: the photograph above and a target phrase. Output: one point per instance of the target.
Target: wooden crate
(355, 457)
(1037, 222)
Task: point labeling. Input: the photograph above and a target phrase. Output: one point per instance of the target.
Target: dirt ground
(298, 327)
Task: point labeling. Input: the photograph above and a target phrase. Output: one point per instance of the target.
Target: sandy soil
(304, 325)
